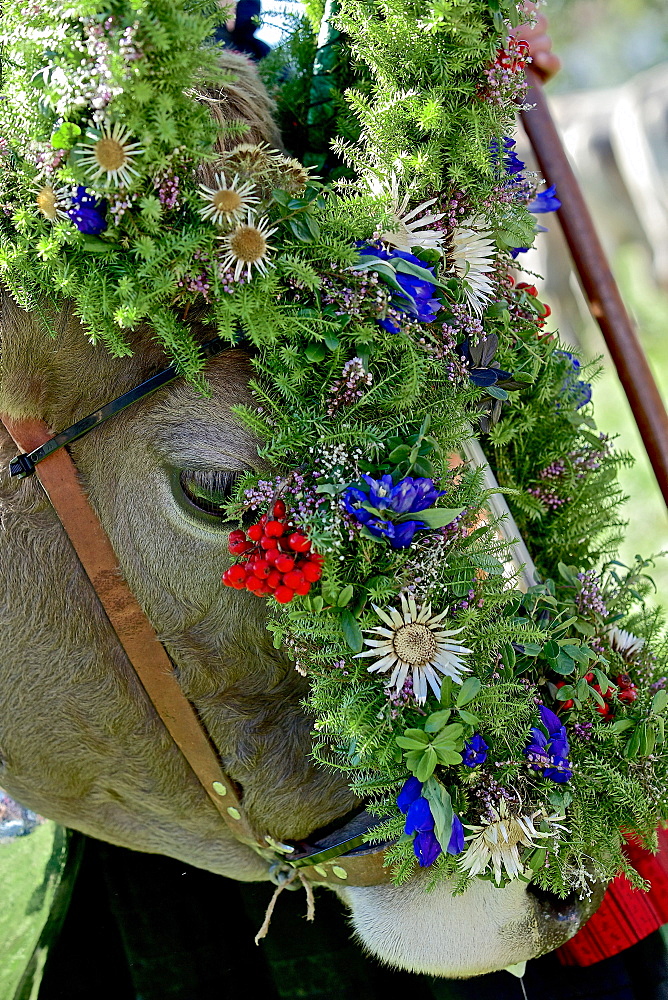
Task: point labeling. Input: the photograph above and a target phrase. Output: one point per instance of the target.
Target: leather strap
(58, 476)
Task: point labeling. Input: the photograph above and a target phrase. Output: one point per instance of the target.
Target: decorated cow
(312, 377)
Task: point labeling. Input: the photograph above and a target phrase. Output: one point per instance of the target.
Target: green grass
(30, 873)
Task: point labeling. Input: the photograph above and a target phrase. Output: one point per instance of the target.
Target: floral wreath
(500, 731)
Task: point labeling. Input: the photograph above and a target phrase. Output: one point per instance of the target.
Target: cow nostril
(568, 908)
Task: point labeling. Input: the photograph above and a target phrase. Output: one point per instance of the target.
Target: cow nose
(560, 918)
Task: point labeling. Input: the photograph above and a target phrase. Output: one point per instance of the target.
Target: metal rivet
(339, 872)
(320, 870)
(234, 813)
(219, 788)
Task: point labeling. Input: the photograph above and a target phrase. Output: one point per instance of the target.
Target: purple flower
(475, 751)
(549, 753)
(409, 496)
(87, 213)
(546, 201)
(419, 299)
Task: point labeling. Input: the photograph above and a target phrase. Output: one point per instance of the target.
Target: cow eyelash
(210, 491)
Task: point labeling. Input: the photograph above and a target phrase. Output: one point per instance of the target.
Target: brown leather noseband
(326, 861)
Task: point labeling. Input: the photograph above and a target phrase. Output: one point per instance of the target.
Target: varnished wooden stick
(598, 283)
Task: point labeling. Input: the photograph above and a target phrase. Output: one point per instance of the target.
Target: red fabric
(626, 915)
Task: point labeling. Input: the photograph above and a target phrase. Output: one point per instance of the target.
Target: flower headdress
(502, 732)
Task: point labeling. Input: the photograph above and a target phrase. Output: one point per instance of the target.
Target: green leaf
(434, 517)
(468, 691)
(351, 631)
(622, 725)
(579, 653)
(565, 693)
(425, 768)
(65, 136)
(406, 743)
(449, 735)
(441, 809)
(437, 720)
(447, 756)
(469, 718)
(315, 352)
(345, 597)
(604, 681)
(446, 692)
(400, 454)
(496, 392)
(92, 245)
(563, 664)
(569, 574)
(331, 341)
(659, 701)
(417, 734)
(633, 745)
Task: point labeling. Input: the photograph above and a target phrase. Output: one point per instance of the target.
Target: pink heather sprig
(589, 598)
(166, 184)
(349, 387)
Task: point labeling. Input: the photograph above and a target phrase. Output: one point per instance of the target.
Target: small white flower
(625, 643)
(248, 247)
(414, 643)
(495, 845)
(227, 202)
(111, 155)
(472, 260)
(407, 231)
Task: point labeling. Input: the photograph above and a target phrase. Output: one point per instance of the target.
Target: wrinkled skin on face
(79, 741)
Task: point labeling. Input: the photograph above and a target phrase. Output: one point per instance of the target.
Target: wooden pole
(598, 283)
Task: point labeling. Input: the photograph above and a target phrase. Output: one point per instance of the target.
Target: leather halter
(328, 860)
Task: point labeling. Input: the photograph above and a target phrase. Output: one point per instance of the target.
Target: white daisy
(248, 247)
(227, 202)
(407, 231)
(496, 844)
(625, 643)
(472, 260)
(111, 155)
(413, 643)
(52, 201)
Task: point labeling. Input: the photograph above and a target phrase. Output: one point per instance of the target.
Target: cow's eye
(209, 491)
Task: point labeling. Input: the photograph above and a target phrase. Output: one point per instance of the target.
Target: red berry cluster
(276, 559)
(513, 58)
(626, 693)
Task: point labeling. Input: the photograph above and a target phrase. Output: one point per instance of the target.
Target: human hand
(543, 59)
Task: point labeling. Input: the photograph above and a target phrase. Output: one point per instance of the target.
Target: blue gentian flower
(87, 213)
(409, 496)
(419, 820)
(424, 304)
(411, 790)
(475, 751)
(545, 201)
(578, 392)
(549, 754)
(456, 842)
(511, 161)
